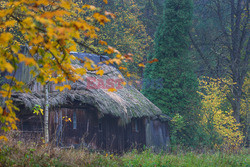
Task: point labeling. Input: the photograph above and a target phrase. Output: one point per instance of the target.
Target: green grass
(30, 154)
(189, 159)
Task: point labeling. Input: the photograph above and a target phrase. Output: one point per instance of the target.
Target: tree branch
(200, 53)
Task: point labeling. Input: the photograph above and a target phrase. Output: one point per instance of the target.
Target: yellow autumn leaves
(49, 30)
(217, 113)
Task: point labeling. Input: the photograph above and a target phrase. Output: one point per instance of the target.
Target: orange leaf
(91, 7)
(105, 1)
(3, 138)
(5, 38)
(61, 88)
(27, 60)
(112, 90)
(67, 86)
(111, 50)
(118, 56)
(103, 42)
(65, 4)
(15, 48)
(9, 67)
(152, 61)
(5, 12)
(10, 77)
(87, 65)
(10, 23)
(128, 57)
(141, 65)
(4, 93)
(53, 79)
(101, 18)
(13, 126)
(100, 72)
(122, 68)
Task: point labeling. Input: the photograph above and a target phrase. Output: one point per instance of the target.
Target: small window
(74, 120)
(135, 126)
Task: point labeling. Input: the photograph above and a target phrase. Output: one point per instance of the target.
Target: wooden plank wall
(157, 134)
(98, 133)
(30, 126)
(103, 133)
(86, 128)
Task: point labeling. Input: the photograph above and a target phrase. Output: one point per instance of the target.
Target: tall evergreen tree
(178, 91)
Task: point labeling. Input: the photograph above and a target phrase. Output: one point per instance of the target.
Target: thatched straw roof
(125, 103)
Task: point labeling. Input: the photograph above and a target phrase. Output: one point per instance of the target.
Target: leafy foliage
(50, 30)
(220, 37)
(178, 125)
(217, 113)
(38, 110)
(128, 33)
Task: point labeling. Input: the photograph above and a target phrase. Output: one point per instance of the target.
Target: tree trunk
(233, 15)
(46, 114)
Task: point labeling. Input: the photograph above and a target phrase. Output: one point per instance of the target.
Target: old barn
(100, 119)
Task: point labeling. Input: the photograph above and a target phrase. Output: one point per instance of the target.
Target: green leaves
(37, 110)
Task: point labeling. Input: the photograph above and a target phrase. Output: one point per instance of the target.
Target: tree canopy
(50, 30)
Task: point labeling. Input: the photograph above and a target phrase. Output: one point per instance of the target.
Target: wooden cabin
(113, 121)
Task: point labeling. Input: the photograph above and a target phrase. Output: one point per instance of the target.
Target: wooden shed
(100, 119)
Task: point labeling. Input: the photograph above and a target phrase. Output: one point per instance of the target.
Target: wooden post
(46, 114)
